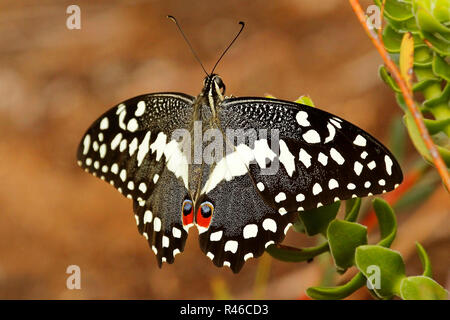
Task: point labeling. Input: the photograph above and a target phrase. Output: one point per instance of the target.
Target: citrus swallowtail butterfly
(238, 208)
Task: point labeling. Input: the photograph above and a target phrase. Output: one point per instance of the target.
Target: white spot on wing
(311, 136)
(304, 157)
(140, 109)
(115, 142)
(176, 232)
(333, 184)
(115, 168)
(148, 216)
(280, 197)
(248, 256)
(270, 224)
(316, 189)
(143, 187)
(389, 163)
(165, 242)
(158, 145)
(133, 146)
(231, 245)
(132, 125)
(336, 156)
(332, 133)
(357, 167)
(263, 151)
(143, 148)
(323, 159)
(360, 141)
(250, 231)
(301, 118)
(157, 224)
(86, 144)
(104, 124)
(260, 186)
(102, 151)
(123, 175)
(286, 158)
(336, 123)
(216, 236)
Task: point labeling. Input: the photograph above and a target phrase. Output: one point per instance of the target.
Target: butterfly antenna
(229, 46)
(187, 41)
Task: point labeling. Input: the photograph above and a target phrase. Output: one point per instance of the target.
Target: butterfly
(240, 169)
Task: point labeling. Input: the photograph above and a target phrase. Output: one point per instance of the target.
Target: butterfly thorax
(204, 120)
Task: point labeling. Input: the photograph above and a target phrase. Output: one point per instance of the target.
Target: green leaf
(421, 288)
(405, 26)
(298, 226)
(426, 263)
(392, 39)
(291, 254)
(352, 207)
(441, 10)
(439, 44)
(396, 10)
(441, 68)
(305, 100)
(383, 267)
(317, 220)
(422, 84)
(420, 145)
(385, 76)
(344, 237)
(442, 99)
(426, 21)
(386, 221)
(435, 126)
(423, 56)
(340, 292)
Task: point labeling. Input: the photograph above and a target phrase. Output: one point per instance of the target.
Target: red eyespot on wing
(187, 212)
(204, 214)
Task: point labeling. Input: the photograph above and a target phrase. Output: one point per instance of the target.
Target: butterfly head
(213, 87)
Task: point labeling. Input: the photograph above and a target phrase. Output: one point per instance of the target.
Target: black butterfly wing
(242, 226)
(304, 158)
(320, 158)
(131, 147)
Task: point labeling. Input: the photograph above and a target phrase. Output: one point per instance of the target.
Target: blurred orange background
(54, 82)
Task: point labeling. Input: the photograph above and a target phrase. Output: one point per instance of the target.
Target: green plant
(414, 44)
(428, 21)
(346, 241)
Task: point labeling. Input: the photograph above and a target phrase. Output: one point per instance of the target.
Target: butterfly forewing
(127, 147)
(321, 158)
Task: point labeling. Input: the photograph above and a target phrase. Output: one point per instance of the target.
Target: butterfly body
(239, 169)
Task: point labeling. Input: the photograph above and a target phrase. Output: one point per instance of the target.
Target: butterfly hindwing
(242, 225)
(321, 157)
(158, 218)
